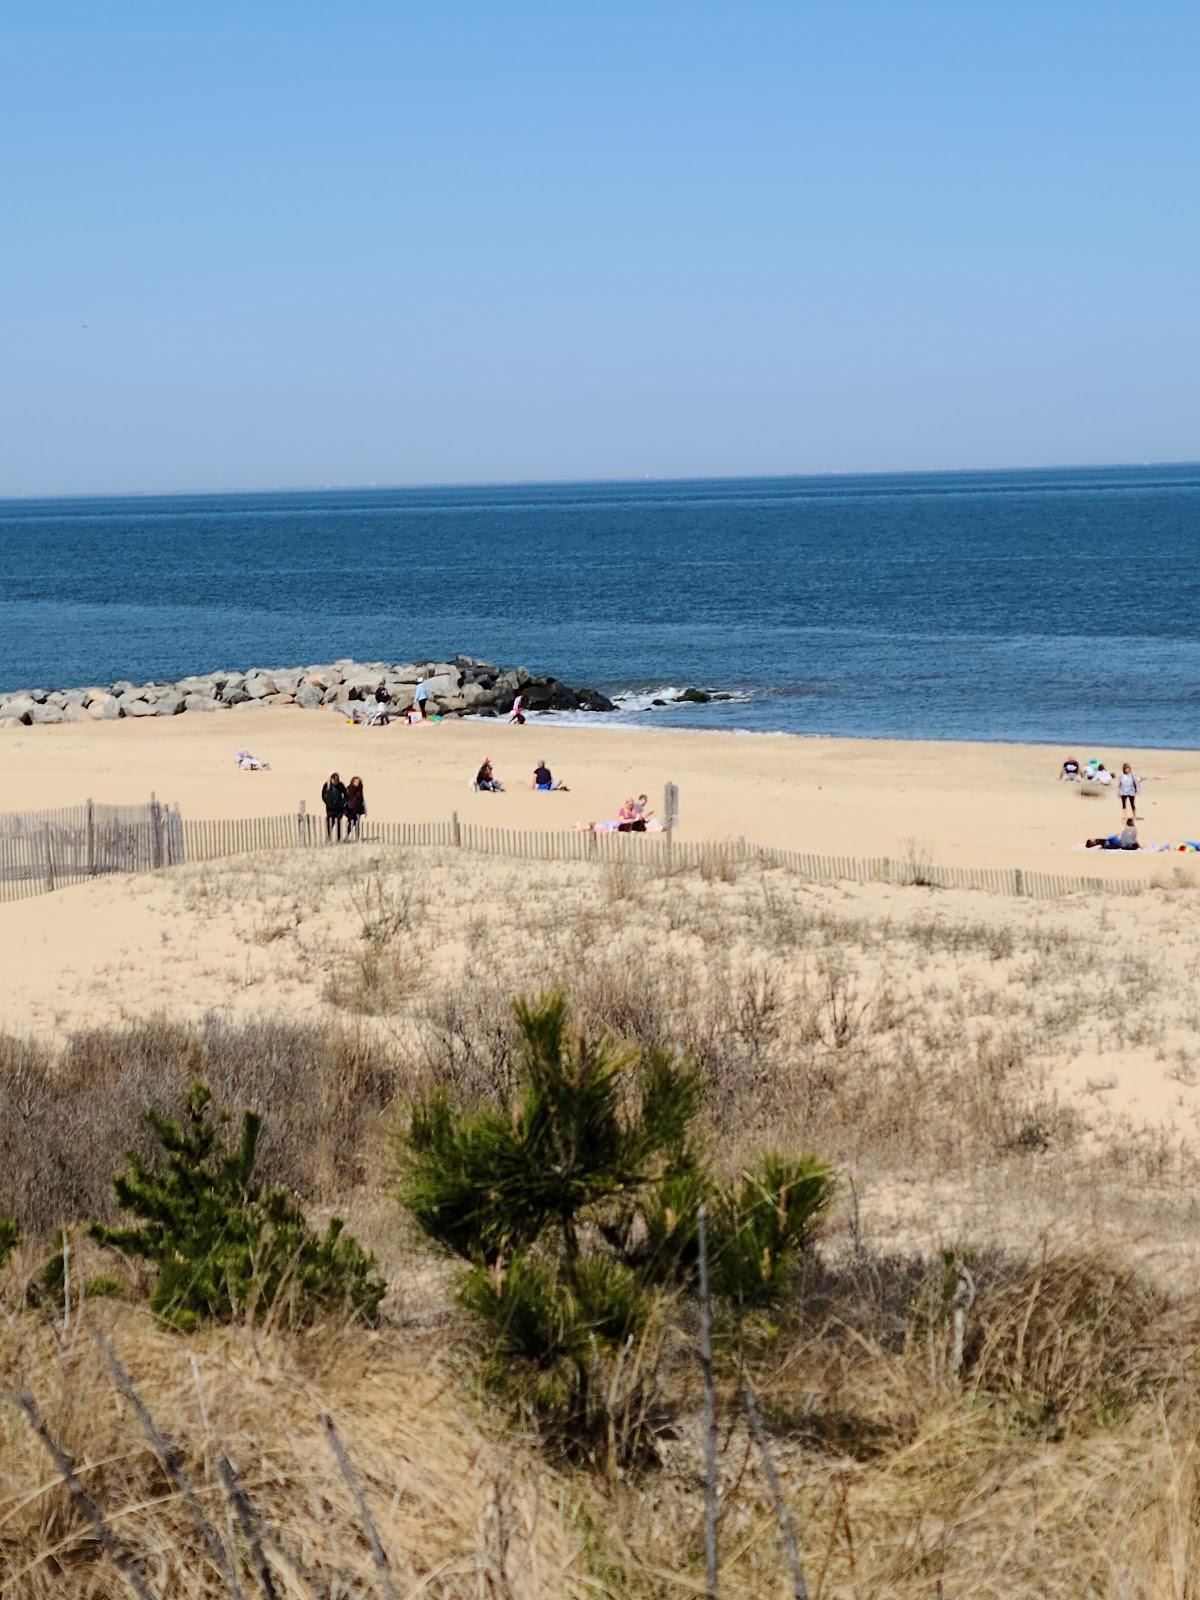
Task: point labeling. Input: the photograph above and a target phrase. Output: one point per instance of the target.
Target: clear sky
(261, 244)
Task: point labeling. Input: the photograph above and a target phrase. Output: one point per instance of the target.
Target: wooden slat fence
(47, 850)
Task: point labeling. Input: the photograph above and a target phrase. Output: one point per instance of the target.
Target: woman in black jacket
(356, 807)
(333, 794)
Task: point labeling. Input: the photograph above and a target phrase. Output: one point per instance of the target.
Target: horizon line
(570, 482)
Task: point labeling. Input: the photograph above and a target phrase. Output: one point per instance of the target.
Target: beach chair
(378, 716)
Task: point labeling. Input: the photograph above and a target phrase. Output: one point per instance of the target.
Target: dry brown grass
(454, 1512)
(911, 1036)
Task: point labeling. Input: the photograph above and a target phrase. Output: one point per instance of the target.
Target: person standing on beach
(333, 796)
(382, 697)
(355, 808)
(421, 698)
(1128, 787)
(516, 714)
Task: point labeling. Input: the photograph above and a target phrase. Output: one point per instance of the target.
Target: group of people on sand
(418, 712)
(487, 782)
(345, 804)
(1128, 787)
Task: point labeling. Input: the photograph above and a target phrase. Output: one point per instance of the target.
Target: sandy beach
(982, 805)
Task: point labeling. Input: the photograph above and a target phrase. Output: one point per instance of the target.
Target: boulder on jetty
(464, 687)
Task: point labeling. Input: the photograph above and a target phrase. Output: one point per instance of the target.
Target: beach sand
(261, 935)
(981, 805)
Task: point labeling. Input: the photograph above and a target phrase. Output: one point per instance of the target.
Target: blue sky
(271, 244)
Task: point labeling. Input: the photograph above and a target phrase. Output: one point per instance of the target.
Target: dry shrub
(619, 881)
(434, 1486)
(68, 1115)
(1078, 1338)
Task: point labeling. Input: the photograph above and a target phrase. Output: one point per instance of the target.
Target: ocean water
(1057, 606)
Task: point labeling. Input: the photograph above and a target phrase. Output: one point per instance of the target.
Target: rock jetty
(464, 687)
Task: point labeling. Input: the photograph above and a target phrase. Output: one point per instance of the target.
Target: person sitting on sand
(1070, 770)
(355, 808)
(542, 778)
(628, 820)
(333, 796)
(1127, 839)
(642, 808)
(487, 780)
(1102, 775)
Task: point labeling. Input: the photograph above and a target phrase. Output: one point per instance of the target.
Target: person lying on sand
(249, 763)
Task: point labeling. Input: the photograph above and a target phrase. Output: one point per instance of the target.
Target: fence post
(91, 840)
(302, 823)
(456, 830)
(155, 831)
(48, 858)
(1018, 881)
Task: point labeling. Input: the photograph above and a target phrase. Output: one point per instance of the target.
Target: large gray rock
(95, 692)
(103, 708)
(201, 684)
(259, 685)
(169, 705)
(287, 681)
(442, 685)
(309, 695)
(280, 699)
(56, 698)
(200, 702)
(73, 713)
(19, 706)
(131, 704)
(47, 713)
(122, 686)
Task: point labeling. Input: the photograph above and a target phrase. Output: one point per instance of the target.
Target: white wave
(635, 702)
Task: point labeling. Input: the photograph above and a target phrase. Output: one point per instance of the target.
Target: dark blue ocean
(1061, 606)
